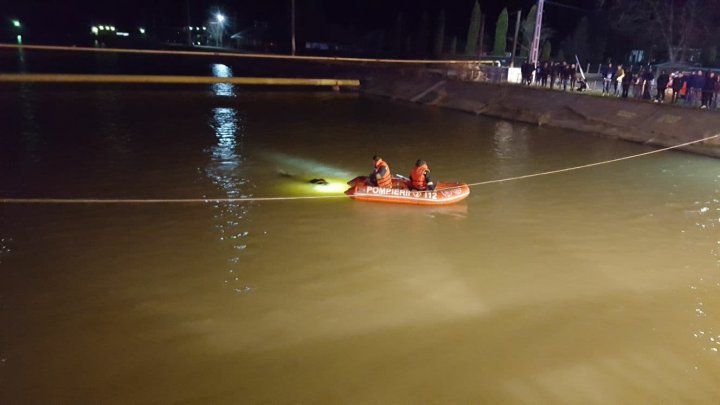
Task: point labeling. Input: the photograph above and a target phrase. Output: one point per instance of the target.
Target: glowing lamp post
(17, 27)
(217, 28)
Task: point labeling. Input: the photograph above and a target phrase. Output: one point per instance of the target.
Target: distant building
(323, 46)
(199, 34)
(110, 35)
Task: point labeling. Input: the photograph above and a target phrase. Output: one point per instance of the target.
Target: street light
(142, 30)
(94, 30)
(217, 27)
(16, 23)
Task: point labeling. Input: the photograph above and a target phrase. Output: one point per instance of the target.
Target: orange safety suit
(386, 179)
(419, 181)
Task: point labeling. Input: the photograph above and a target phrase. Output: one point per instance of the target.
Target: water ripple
(5, 247)
(707, 216)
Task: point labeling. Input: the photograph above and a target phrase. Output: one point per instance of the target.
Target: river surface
(600, 285)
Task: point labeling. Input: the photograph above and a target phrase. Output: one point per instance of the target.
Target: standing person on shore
(626, 83)
(707, 90)
(565, 75)
(553, 74)
(530, 73)
(544, 71)
(697, 89)
(647, 80)
(677, 83)
(573, 76)
(525, 73)
(716, 92)
(617, 78)
(690, 88)
(637, 83)
(662, 82)
(607, 73)
(559, 73)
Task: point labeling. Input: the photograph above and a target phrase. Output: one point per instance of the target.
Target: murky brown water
(595, 286)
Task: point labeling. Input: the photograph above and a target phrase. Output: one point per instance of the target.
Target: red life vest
(386, 180)
(419, 182)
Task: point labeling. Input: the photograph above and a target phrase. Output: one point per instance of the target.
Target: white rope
(593, 164)
(320, 197)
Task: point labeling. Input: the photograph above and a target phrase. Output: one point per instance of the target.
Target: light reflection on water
(30, 124)
(222, 89)
(5, 247)
(225, 171)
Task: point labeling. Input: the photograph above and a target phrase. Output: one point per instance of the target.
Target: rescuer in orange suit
(420, 176)
(380, 175)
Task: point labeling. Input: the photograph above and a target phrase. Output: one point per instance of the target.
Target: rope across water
(319, 197)
(594, 164)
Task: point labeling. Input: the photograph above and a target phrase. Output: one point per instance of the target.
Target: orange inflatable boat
(401, 193)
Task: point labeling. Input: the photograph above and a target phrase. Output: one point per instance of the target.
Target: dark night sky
(72, 16)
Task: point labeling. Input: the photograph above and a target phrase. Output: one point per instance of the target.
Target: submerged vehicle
(401, 192)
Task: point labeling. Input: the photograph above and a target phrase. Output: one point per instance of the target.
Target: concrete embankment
(631, 120)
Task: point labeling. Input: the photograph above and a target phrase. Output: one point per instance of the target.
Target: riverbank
(630, 120)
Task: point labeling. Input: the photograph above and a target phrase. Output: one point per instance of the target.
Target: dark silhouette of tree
(473, 31)
(397, 39)
(601, 35)
(578, 42)
(709, 55)
(527, 28)
(439, 34)
(675, 25)
(501, 33)
(546, 49)
(408, 44)
(423, 35)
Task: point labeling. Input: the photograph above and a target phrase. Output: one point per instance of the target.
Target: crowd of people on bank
(696, 88)
(553, 74)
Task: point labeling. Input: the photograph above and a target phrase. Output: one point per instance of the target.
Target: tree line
(666, 30)
(415, 42)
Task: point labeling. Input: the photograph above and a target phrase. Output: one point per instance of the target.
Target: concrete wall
(631, 120)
